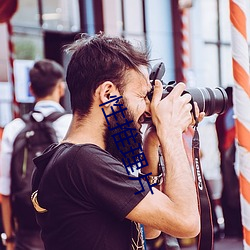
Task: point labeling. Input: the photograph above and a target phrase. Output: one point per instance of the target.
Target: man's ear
(31, 90)
(105, 90)
(62, 88)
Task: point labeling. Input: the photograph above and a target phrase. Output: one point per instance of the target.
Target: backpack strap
(54, 116)
(44, 122)
(51, 118)
(46, 125)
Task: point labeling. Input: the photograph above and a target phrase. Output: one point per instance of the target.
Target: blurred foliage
(27, 48)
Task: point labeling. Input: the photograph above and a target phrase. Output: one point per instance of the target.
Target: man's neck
(88, 130)
(48, 98)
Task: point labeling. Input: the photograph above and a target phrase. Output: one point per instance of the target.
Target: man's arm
(175, 211)
(151, 150)
(9, 134)
(7, 220)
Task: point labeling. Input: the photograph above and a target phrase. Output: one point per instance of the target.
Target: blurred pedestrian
(225, 125)
(47, 85)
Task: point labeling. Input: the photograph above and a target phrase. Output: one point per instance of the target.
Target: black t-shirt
(88, 194)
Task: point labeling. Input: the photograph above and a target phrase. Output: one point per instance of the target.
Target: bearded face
(123, 141)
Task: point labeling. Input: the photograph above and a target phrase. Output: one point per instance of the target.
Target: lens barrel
(210, 101)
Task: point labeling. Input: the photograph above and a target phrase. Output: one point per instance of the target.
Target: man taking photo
(86, 191)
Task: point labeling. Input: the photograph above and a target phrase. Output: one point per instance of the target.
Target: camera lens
(210, 101)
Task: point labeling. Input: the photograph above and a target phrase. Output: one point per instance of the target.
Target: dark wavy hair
(44, 76)
(96, 59)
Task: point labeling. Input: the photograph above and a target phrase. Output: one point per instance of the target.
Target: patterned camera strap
(205, 238)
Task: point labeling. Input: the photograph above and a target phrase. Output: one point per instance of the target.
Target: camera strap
(205, 238)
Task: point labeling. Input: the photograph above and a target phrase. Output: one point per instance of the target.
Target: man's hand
(199, 115)
(172, 114)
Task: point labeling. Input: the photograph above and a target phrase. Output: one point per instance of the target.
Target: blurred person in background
(47, 86)
(2, 247)
(210, 162)
(225, 126)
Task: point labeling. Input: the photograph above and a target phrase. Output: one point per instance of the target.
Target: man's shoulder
(79, 156)
(81, 150)
(65, 117)
(13, 128)
(96, 159)
(61, 125)
(16, 122)
(93, 153)
(91, 149)
(63, 120)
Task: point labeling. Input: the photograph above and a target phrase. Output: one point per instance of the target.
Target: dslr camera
(210, 101)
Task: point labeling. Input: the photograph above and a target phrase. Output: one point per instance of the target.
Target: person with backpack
(23, 139)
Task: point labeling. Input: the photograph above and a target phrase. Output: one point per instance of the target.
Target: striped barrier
(241, 95)
(185, 56)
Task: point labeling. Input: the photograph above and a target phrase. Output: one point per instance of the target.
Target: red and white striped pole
(185, 65)
(185, 55)
(241, 95)
(11, 69)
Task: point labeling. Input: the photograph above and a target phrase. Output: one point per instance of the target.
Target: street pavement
(223, 244)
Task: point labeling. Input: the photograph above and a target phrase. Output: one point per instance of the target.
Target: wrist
(156, 179)
(7, 239)
(167, 133)
(153, 179)
(170, 140)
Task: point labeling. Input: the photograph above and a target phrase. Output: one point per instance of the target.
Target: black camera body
(210, 101)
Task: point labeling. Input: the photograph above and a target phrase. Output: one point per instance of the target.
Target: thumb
(157, 93)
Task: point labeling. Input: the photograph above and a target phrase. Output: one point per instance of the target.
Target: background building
(192, 38)
(194, 42)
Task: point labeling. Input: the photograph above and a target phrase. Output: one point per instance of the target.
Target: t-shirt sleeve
(106, 182)
(10, 133)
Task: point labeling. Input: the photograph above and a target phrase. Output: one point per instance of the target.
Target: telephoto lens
(210, 101)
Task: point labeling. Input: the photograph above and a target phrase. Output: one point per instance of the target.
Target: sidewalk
(223, 244)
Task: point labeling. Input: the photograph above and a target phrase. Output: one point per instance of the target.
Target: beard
(113, 131)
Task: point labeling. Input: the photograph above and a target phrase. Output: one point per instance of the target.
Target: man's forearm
(151, 151)
(179, 184)
(7, 215)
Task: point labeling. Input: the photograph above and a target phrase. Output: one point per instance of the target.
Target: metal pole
(219, 42)
(87, 16)
(40, 13)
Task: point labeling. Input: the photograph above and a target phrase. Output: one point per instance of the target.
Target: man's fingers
(157, 93)
(199, 115)
(178, 90)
